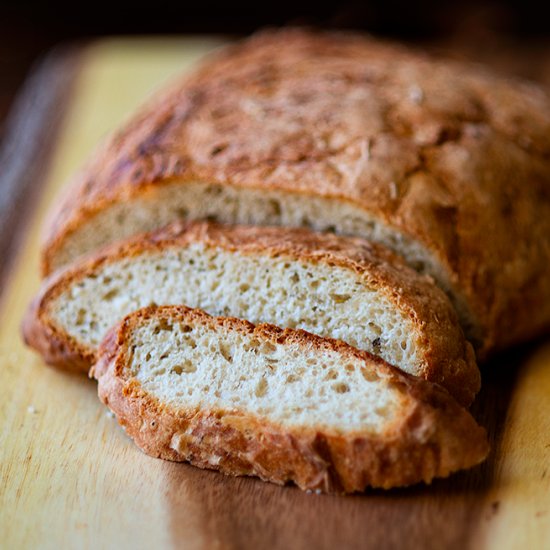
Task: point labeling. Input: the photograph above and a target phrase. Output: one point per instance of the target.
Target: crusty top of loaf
(449, 357)
(446, 153)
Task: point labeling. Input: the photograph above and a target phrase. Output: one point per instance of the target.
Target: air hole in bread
(275, 206)
(340, 298)
(226, 353)
(261, 388)
(113, 293)
(369, 376)
(340, 387)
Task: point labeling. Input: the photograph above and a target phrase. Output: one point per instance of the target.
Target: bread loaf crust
(446, 154)
(434, 438)
(449, 358)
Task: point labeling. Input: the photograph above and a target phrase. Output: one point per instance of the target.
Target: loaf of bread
(282, 405)
(334, 286)
(444, 163)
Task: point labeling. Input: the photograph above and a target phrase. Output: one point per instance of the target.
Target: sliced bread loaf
(282, 405)
(340, 287)
(443, 162)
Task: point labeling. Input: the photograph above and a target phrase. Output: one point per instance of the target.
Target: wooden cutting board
(71, 478)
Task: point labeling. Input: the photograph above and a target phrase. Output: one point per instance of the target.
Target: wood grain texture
(69, 477)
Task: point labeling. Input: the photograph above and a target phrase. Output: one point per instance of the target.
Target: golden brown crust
(448, 358)
(431, 437)
(447, 154)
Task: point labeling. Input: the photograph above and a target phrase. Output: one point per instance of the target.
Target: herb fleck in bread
(333, 286)
(445, 163)
(282, 405)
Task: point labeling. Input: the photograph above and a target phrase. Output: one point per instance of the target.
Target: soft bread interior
(229, 204)
(190, 365)
(322, 299)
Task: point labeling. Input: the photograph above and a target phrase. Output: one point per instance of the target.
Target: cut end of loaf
(282, 405)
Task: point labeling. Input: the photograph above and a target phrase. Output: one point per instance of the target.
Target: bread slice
(333, 286)
(442, 162)
(282, 405)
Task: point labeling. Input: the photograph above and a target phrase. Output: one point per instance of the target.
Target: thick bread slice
(444, 163)
(283, 405)
(333, 286)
